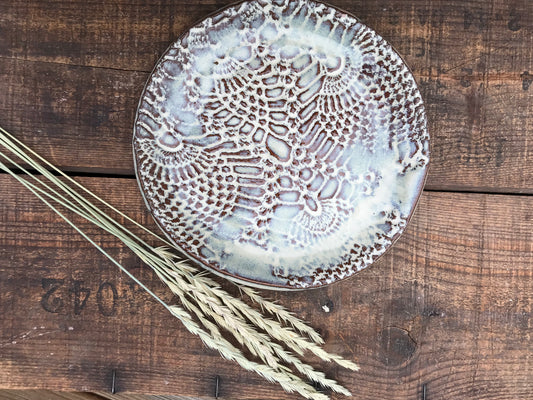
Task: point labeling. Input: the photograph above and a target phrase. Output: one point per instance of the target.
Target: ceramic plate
(282, 144)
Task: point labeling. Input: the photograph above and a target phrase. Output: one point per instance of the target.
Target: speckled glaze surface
(281, 143)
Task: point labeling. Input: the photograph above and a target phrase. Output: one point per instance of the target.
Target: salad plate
(282, 144)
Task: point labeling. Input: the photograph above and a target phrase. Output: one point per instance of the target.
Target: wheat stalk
(25, 153)
(200, 296)
(273, 328)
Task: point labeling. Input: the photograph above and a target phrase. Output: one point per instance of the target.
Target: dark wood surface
(448, 309)
(73, 72)
(28, 394)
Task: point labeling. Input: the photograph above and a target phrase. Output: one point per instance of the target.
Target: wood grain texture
(73, 72)
(449, 307)
(54, 395)
(46, 395)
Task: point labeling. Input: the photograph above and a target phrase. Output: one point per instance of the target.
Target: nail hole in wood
(113, 381)
(217, 386)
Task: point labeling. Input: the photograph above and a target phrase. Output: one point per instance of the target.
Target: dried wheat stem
(292, 339)
(204, 284)
(258, 344)
(21, 150)
(25, 152)
(283, 315)
(288, 382)
(225, 317)
(83, 234)
(215, 333)
(93, 210)
(209, 301)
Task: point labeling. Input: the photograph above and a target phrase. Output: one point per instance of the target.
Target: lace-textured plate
(282, 144)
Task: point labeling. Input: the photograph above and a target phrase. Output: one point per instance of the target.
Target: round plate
(282, 144)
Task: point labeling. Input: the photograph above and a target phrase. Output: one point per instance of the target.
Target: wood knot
(396, 346)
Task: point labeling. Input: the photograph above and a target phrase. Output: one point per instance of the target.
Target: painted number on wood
(51, 301)
(61, 296)
(106, 298)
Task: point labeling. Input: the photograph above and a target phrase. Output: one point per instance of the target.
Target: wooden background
(447, 312)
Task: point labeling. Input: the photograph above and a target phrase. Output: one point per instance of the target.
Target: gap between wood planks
(428, 188)
(54, 62)
(443, 76)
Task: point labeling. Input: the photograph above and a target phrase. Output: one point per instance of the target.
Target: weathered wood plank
(73, 72)
(81, 118)
(46, 394)
(437, 36)
(450, 307)
(54, 395)
(119, 35)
